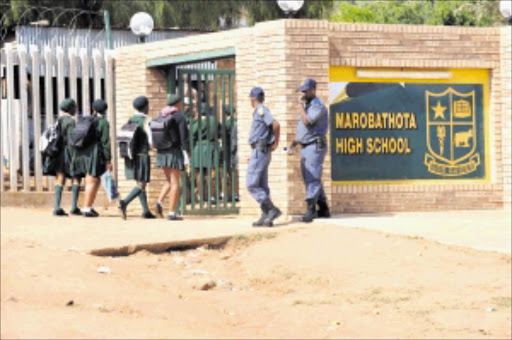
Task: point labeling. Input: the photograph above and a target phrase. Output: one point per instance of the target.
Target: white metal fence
(33, 84)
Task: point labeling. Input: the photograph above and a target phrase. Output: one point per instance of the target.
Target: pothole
(163, 247)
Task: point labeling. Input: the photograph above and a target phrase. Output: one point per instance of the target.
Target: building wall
(278, 55)
(430, 47)
(506, 98)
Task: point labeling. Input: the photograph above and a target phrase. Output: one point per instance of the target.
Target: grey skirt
(171, 158)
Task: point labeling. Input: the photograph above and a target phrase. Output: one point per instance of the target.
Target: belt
(307, 144)
(259, 144)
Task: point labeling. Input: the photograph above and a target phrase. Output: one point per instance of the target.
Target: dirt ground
(316, 282)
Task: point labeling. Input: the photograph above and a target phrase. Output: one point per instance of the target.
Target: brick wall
(433, 47)
(278, 55)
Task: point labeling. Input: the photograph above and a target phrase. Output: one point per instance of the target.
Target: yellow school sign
(395, 126)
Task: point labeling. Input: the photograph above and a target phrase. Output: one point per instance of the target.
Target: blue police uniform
(312, 138)
(311, 155)
(260, 136)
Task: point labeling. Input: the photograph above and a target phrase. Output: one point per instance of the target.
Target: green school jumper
(139, 168)
(93, 159)
(203, 146)
(63, 162)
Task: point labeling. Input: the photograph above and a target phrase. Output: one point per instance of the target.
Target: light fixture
(290, 7)
(141, 25)
(506, 10)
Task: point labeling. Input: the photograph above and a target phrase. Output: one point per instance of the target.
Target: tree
(446, 12)
(186, 14)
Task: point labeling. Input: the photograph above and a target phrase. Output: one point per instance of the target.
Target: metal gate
(210, 187)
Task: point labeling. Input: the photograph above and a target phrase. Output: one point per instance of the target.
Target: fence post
(48, 87)
(36, 116)
(111, 112)
(13, 164)
(73, 90)
(85, 82)
(2, 126)
(25, 136)
(97, 67)
(61, 87)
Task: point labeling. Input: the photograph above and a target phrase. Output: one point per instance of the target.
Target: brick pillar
(278, 56)
(306, 56)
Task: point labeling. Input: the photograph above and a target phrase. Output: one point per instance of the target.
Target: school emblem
(451, 133)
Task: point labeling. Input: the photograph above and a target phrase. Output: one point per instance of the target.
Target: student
(96, 158)
(204, 152)
(172, 156)
(139, 167)
(61, 164)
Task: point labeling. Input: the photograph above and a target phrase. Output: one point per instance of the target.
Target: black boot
(159, 210)
(148, 215)
(122, 209)
(323, 208)
(310, 214)
(264, 212)
(273, 213)
(60, 212)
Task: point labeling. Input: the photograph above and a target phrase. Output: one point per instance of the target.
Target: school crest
(451, 133)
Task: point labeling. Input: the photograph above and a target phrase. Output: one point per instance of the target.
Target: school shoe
(122, 209)
(91, 213)
(310, 214)
(174, 218)
(264, 212)
(76, 212)
(148, 215)
(273, 213)
(323, 208)
(159, 210)
(59, 212)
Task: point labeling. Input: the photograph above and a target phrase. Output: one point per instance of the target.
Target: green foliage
(439, 12)
(193, 14)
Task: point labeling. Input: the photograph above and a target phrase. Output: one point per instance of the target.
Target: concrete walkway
(483, 230)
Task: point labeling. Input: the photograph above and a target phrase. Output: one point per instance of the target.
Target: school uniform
(139, 168)
(93, 160)
(204, 148)
(173, 157)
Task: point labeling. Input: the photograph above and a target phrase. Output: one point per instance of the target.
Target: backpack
(50, 140)
(160, 129)
(126, 139)
(84, 133)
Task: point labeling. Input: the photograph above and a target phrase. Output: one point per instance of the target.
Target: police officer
(263, 138)
(312, 127)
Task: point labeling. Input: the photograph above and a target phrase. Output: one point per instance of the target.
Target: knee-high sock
(75, 190)
(58, 196)
(134, 193)
(144, 201)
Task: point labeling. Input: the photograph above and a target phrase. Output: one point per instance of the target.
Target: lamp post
(290, 7)
(506, 10)
(141, 25)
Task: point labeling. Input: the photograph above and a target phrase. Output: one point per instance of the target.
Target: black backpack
(84, 133)
(126, 139)
(161, 135)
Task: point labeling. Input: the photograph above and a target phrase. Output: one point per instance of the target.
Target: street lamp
(506, 10)
(290, 7)
(141, 24)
